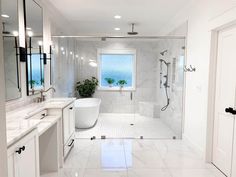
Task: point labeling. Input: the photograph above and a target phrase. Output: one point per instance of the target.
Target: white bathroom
(117, 89)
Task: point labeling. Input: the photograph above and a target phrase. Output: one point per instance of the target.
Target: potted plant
(121, 83)
(87, 87)
(110, 81)
(32, 84)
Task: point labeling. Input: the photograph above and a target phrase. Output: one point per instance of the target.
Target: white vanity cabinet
(23, 159)
(69, 128)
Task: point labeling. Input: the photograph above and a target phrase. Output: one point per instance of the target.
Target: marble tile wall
(147, 77)
(173, 115)
(64, 66)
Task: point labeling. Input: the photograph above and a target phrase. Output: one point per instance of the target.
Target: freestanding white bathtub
(86, 112)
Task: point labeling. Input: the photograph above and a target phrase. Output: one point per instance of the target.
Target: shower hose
(168, 100)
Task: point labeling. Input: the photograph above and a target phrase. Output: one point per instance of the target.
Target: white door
(225, 98)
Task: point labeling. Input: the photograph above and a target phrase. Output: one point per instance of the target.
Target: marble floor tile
(134, 158)
(107, 154)
(149, 173)
(127, 126)
(105, 173)
(66, 173)
(192, 173)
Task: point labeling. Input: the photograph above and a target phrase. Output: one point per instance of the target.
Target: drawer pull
(19, 151)
(22, 148)
(72, 142)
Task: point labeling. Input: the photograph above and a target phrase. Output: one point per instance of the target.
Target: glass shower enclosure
(149, 104)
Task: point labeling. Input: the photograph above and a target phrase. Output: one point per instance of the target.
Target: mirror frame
(17, 55)
(41, 54)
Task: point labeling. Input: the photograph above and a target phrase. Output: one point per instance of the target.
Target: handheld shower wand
(166, 86)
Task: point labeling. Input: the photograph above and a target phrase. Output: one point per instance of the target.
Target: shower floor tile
(127, 126)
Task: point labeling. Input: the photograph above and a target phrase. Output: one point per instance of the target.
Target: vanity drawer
(39, 115)
(69, 145)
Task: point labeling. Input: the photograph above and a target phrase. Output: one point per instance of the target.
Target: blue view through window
(36, 74)
(117, 67)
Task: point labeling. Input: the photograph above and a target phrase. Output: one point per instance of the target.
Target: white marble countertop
(18, 129)
(19, 124)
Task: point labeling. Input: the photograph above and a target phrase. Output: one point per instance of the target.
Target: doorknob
(230, 110)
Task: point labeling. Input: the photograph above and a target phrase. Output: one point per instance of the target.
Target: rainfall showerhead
(132, 32)
(163, 53)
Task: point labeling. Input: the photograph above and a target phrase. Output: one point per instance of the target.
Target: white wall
(3, 146)
(200, 15)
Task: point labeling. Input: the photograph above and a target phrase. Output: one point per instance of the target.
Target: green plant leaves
(87, 87)
(110, 80)
(121, 82)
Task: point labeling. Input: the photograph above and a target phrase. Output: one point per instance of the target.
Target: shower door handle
(131, 95)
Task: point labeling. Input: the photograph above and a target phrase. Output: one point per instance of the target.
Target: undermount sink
(55, 102)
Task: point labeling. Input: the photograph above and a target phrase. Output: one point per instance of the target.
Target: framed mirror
(34, 42)
(11, 49)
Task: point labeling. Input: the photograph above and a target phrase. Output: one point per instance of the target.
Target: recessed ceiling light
(28, 28)
(117, 29)
(62, 48)
(63, 53)
(5, 15)
(117, 17)
(77, 56)
(71, 53)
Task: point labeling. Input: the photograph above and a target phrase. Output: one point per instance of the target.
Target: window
(116, 69)
(35, 70)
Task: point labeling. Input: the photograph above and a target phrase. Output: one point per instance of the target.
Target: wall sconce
(22, 54)
(44, 58)
(20, 51)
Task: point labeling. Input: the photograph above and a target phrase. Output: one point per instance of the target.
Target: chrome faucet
(42, 96)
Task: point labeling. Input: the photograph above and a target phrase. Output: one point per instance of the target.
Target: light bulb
(15, 33)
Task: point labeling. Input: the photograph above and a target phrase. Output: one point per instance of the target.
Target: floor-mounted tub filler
(86, 112)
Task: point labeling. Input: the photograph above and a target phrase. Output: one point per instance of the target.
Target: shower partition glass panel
(160, 83)
(153, 109)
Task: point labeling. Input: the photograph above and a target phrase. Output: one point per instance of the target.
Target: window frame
(116, 52)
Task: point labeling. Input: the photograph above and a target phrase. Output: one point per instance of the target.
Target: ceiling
(96, 17)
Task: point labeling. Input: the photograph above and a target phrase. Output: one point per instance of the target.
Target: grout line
(127, 168)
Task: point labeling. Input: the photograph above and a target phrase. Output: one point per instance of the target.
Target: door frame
(224, 21)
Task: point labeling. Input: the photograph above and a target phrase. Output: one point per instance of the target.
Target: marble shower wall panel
(65, 63)
(174, 113)
(147, 78)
